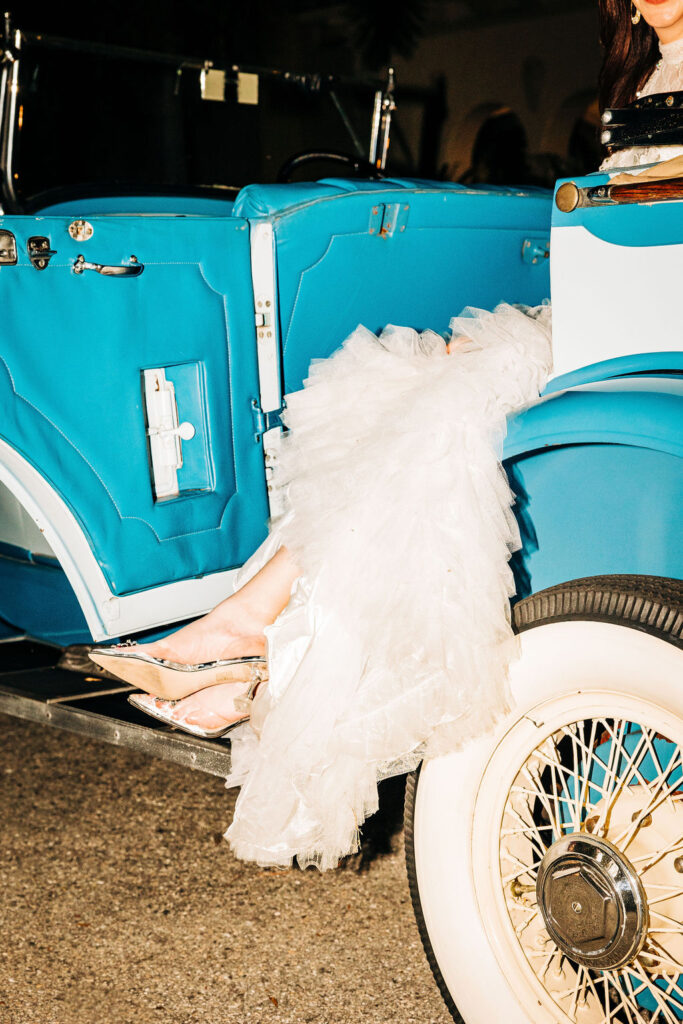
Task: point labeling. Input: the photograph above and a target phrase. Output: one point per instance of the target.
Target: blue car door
(128, 377)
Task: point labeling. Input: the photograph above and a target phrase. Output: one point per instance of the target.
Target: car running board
(51, 686)
(36, 685)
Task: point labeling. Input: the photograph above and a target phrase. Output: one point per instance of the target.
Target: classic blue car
(148, 346)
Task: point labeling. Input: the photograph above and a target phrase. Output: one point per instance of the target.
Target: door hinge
(264, 421)
(388, 219)
(263, 312)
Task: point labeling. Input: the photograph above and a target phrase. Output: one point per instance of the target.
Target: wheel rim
(583, 866)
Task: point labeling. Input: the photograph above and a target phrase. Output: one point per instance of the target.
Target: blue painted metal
(598, 475)
(72, 353)
(643, 411)
(207, 206)
(636, 224)
(37, 599)
(8, 632)
(658, 363)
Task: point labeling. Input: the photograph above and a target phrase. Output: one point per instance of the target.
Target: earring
(635, 14)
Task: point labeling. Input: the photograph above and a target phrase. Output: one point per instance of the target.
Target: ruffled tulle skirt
(396, 642)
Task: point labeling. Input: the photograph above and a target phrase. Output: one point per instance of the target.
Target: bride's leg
(234, 628)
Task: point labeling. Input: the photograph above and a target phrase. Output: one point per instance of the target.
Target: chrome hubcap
(592, 902)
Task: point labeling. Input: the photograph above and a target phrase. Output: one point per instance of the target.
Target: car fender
(597, 475)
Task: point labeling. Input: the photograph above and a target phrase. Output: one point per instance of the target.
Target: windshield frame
(380, 96)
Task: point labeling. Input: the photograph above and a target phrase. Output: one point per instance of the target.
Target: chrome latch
(8, 249)
(39, 251)
(165, 432)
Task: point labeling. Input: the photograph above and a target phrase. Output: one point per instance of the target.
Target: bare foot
(234, 629)
(456, 343)
(211, 708)
(226, 632)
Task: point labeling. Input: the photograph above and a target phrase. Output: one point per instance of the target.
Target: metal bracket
(536, 250)
(395, 219)
(264, 421)
(39, 251)
(388, 219)
(376, 218)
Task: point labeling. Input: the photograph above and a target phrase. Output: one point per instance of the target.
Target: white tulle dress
(396, 642)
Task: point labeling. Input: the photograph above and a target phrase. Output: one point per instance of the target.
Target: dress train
(396, 642)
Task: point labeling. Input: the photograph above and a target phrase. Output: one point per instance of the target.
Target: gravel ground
(121, 904)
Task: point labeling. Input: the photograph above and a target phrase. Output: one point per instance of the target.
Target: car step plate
(35, 687)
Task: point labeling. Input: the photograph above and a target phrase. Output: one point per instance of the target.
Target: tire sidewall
(586, 660)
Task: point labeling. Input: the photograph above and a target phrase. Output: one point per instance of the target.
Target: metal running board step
(35, 688)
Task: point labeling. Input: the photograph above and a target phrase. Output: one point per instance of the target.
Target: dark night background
(487, 90)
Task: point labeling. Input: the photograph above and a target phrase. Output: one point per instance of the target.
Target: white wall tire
(596, 650)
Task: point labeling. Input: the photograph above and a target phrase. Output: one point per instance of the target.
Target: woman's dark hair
(631, 52)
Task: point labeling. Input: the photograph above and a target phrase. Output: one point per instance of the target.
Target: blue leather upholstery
(207, 206)
(74, 346)
(269, 200)
(72, 352)
(393, 252)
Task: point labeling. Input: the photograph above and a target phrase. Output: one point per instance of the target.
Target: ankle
(240, 614)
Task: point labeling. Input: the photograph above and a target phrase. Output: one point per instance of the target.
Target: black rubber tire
(652, 604)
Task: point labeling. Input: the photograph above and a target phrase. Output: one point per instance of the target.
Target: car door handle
(133, 269)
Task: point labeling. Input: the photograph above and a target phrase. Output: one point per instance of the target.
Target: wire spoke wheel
(545, 858)
(591, 868)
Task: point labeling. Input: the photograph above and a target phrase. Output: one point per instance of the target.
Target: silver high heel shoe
(171, 680)
(163, 711)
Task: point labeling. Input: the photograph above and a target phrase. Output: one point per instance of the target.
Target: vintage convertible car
(148, 345)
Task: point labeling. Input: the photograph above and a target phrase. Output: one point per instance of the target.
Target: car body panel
(235, 309)
(323, 257)
(598, 476)
(614, 281)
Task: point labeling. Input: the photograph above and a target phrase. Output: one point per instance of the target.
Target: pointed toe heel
(171, 680)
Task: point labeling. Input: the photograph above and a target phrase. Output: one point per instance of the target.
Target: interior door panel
(73, 351)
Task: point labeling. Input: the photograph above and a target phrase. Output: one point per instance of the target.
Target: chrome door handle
(133, 269)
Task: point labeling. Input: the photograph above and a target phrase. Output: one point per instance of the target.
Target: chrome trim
(263, 277)
(64, 713)
(388, 107)
(9, 119)
(133, 269)
(8, 248)
(592, 901)
(374, 127)
(81, 230)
